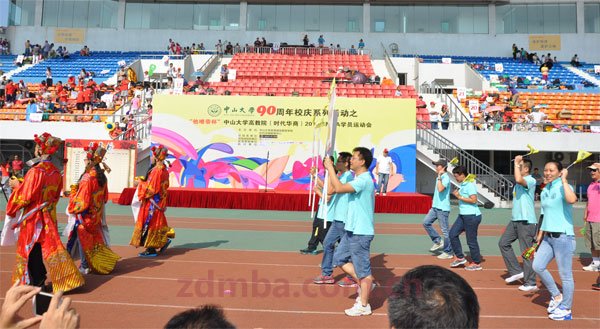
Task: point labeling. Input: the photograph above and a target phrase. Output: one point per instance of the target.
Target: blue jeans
(336, 230)
(355, 249)
(441, 215)
(561, 248)
(434, 125)
(383, 181)
(468, 224)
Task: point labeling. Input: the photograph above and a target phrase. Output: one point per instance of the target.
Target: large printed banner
(253, 142)
(121, 160)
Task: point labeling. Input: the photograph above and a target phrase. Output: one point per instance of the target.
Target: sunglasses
(592, 170)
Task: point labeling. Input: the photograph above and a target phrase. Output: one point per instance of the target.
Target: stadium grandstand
(476, 80)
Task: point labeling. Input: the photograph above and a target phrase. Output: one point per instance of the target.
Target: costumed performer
(86, 204)
(39, 249)
(151, 229)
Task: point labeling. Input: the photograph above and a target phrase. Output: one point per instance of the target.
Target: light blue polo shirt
(558, 213)
(466, 190)
(441, 200)
(341, 199)
(524, 202)
(330, 209)
(361, 206)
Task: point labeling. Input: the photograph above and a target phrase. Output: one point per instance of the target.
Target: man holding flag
(353, 253)
(522, 226)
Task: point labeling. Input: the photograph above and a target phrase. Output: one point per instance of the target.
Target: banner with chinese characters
(248, 142)
(120, 158)
(544, 42)
(76, 36)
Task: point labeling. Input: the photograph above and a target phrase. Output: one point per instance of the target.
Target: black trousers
(318, 233)
(35, 266)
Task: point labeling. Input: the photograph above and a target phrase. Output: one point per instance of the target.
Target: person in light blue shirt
(319, 229)
(440, 210)
(336, 220)
(32, 107)
(522, 227)
(468, 220)
(353, 252)
(557, 240)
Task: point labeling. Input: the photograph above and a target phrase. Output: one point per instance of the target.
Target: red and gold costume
(87, 205)
(38, 237)
(151, 229)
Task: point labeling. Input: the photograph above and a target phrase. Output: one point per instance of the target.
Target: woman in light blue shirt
(557, 239)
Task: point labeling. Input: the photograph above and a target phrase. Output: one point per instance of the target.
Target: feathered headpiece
(48, 144)
(160, 152)
(95, 152)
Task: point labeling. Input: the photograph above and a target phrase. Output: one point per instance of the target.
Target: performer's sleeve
(26, 192)
(151, 186)
(81, 201)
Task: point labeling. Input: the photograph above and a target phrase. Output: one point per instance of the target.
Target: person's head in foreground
(460, 173)
(206, 317)
(431, 296)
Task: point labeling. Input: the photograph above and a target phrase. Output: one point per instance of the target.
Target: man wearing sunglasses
(591, 218)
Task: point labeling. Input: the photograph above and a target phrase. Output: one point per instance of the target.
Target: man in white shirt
(536, 118)
(384, 168)
(434, 115)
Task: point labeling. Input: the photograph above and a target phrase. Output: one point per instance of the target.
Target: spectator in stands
(321, 41)
(536, 118)
(27, 52)
(208, 316)
(515, 50)
(224, 73)
(523, 55)
(45, 49)
(263, 42)
(257, 44)
(229, 49)
(430, 296)
(434, 115)
(48, 76)
(85, 51)
(575, 61)
(544, 69)
(237, 48)
(17, 165)
(445, 114)
(352, 50)
(219, 48)
(398, 92)
(3, 86)
(11, 91)
(305, 40)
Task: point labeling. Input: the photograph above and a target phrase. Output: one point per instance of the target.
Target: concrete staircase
(582, 74)
(492, 188)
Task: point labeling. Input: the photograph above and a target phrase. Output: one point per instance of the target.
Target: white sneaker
(528, 288)
(437, 246)
(359, 310)
(514, 278)
(553, 304)
(593, 267)
(445, 256)
(383, 194)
